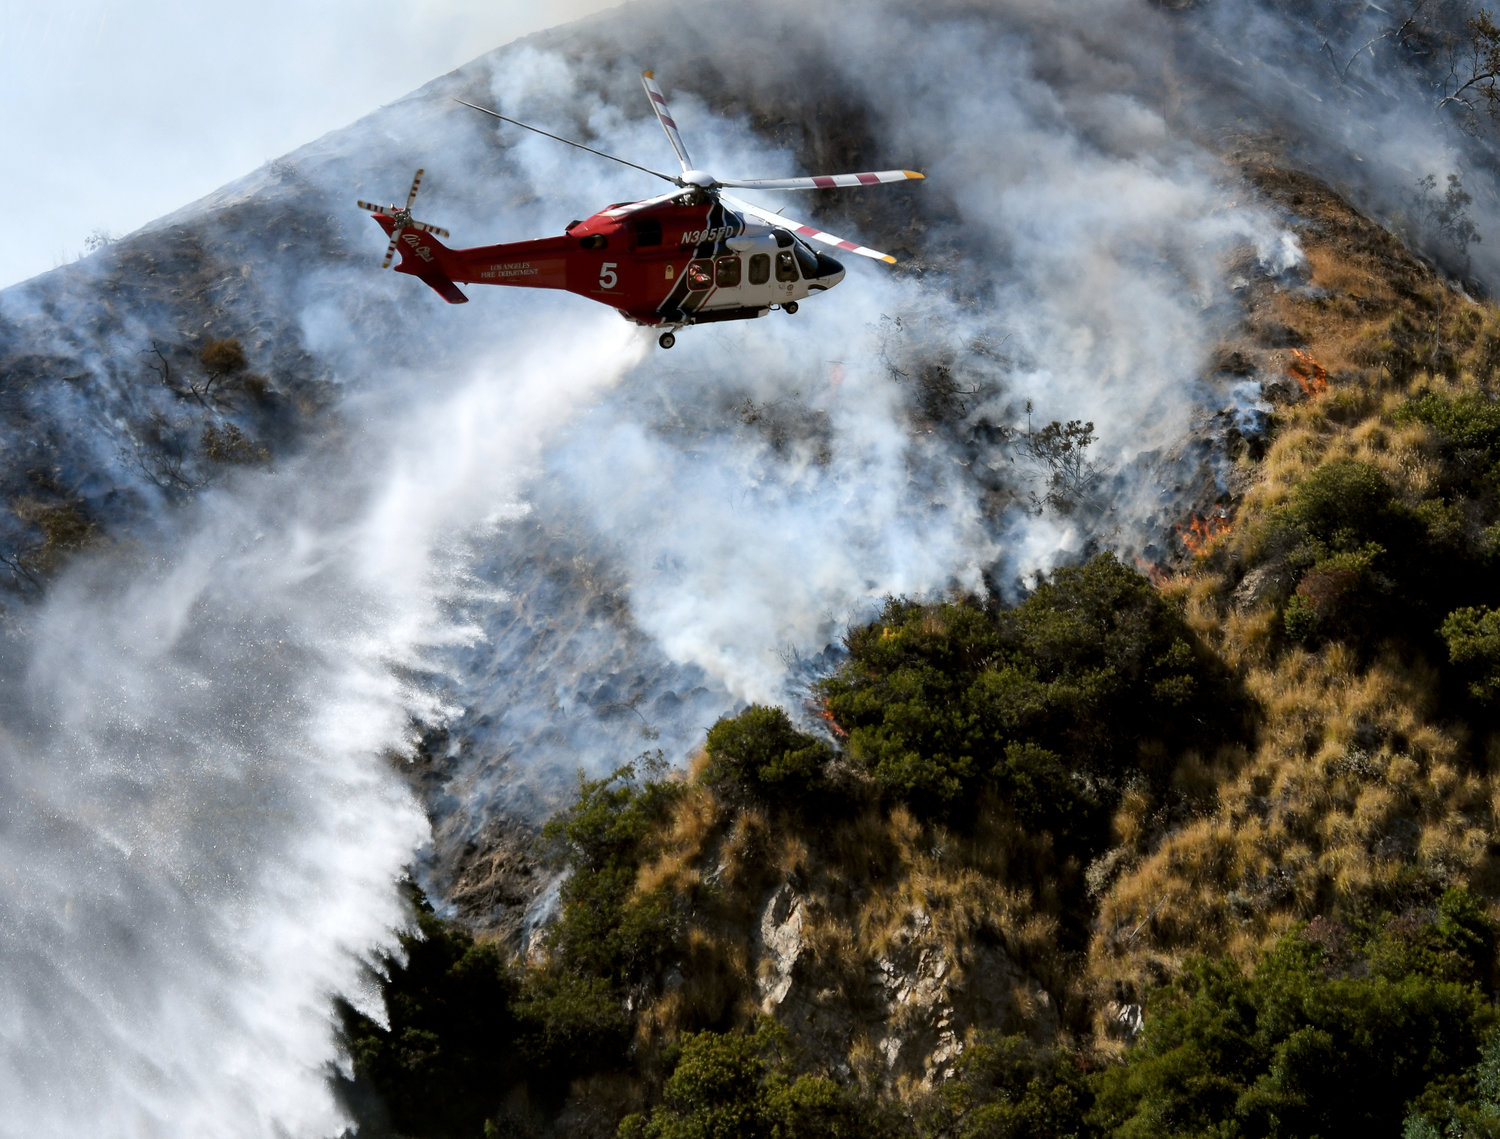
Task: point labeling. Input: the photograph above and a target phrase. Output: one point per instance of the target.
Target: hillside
(955, 915)
(1092, 619)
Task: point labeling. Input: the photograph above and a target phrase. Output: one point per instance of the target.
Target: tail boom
(424, 257)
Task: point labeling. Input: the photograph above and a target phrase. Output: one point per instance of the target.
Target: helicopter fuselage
(688, 261)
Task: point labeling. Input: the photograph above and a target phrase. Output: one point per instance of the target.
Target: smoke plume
(521, 522)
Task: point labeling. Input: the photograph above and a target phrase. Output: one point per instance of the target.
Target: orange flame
(1157, 576)
(1201, 534)
(832, 723)
(1309, 374)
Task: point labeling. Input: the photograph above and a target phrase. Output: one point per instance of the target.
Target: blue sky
(114, 112)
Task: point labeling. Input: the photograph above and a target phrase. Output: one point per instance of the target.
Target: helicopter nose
(830, 272)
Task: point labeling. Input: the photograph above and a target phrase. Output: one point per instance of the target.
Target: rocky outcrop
(914, 1001)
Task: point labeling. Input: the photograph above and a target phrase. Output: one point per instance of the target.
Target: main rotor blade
(632, 207)
(569, 141)
(664, 117)
(822, 181)
(808, 231)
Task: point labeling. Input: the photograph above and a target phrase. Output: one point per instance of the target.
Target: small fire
(1201, 534)
(830, 721)
(1309, 374)
(1154, 573)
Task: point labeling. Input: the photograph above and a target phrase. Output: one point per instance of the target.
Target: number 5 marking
(608, 278)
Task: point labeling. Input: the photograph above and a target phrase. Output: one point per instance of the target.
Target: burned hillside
(988, 642)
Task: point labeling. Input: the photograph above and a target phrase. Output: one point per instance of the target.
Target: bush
(1470, 1109)
(1074, 689)
(761, 755)
(1343, 507)
(1468, 431)
(1010, 1088)
(1473, 639)
(450, 1052)
(734, 1086)
(1299, 1048)
(1363, 559)
(605, 931)
(1339, 597)
(222, 357)
(570, 1026)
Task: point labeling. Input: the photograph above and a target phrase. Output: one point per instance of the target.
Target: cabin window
(760, 268)
(786, 266)
(648, 232)
(728, 271)
(596, 241)
(700, 274)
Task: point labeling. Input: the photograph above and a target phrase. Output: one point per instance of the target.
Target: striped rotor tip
(913, 174)
(648, 75)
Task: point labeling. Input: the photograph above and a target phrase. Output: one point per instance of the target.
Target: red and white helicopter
(692, 255)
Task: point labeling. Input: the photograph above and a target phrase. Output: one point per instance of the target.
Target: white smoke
(523, 524)
(203, 822)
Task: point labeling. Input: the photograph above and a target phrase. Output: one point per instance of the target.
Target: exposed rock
(498, 880)
(921, 994)
(1270, 582)
(1124, 1021)
(780, 945)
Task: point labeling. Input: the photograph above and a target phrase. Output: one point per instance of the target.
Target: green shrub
(1011, 1088)
(449, 1053)
(1468, 431)
(570, 1026)
(1364, 561)
(604, 931)
(1088, 679)
(759, 753)
(1473, 639)
(1339, 596)
(1299, 1048)
(1343, 507)
(1469, 1108)
(735, 1086)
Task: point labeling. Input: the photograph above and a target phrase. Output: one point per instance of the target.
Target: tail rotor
(401, 216)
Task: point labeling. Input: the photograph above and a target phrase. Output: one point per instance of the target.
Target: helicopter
(691, 255)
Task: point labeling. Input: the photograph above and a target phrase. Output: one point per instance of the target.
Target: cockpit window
(648, 232)
(786, 266)
(783, 238)
(807, 259)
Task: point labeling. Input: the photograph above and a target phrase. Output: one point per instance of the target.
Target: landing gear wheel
(789, 308)
(666, 340)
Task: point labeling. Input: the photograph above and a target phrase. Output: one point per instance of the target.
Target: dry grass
(1353, 797)
(1351, 791)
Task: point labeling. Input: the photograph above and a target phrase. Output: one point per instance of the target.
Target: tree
(738, 1086)
(1473, 638)
(760, 754)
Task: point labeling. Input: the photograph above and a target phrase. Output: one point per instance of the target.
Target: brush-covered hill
(1206, 849)
(1092, 621)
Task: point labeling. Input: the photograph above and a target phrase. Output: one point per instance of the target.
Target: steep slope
(242, 580)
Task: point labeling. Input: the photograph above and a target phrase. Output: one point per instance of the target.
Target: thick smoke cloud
(524, 523)
(201, 834)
